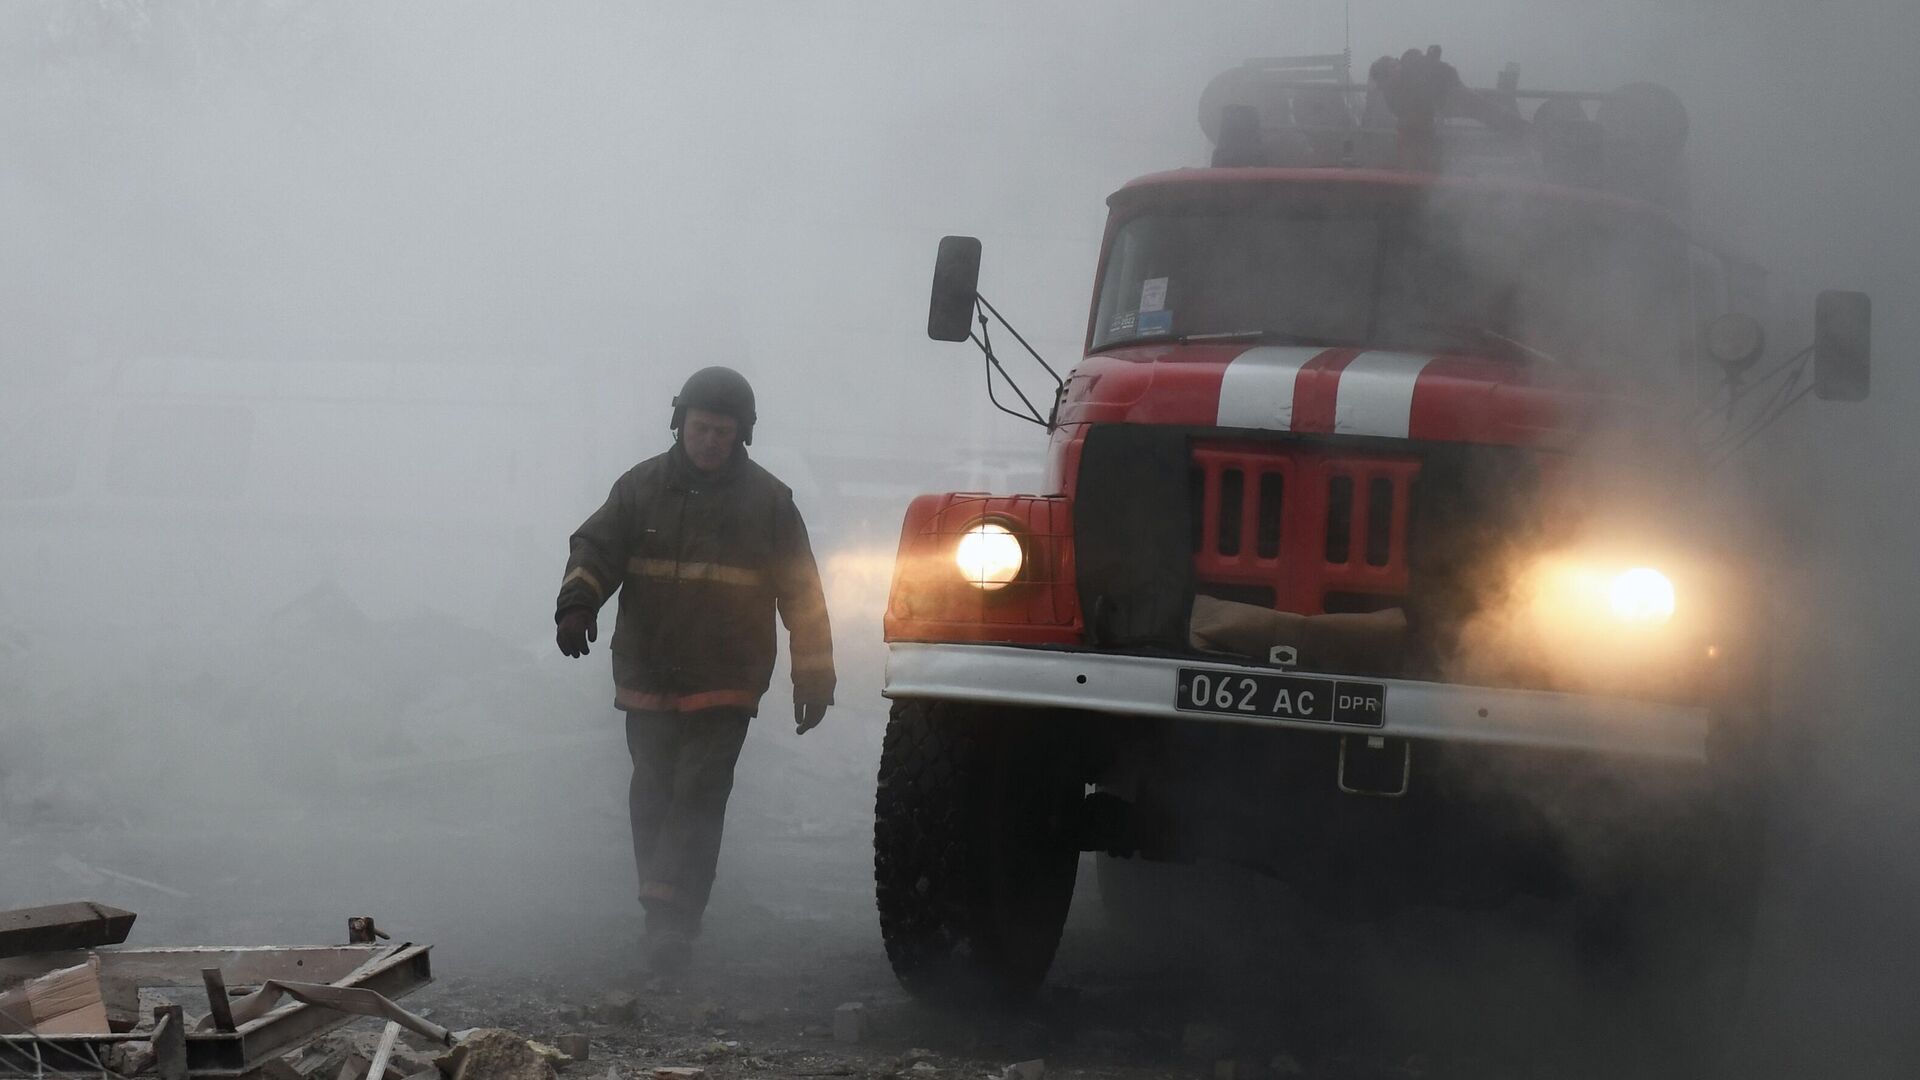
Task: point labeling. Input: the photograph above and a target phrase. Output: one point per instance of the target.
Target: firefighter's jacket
(701, 563)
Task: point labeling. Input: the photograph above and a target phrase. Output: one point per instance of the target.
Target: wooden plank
(243, 966)
(218, 1005)
(58, 927)
(377, 1068)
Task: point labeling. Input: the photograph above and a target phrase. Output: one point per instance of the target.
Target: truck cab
(1380, 548)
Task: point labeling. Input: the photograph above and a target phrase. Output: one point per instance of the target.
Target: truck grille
(1299, 528)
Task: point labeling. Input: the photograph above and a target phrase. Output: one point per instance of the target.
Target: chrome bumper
(1144, 686)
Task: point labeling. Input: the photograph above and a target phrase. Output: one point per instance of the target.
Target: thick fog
(323, 324)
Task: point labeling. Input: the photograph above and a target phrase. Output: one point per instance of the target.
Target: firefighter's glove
(577, 626)
(807, 717)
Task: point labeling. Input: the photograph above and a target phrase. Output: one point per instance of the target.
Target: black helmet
(717, 389)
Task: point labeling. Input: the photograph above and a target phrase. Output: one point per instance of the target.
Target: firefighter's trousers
(682, 775)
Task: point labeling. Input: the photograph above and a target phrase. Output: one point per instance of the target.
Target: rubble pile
(75, 1000)
(496, 1054)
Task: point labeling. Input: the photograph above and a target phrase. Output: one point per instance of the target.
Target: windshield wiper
(1483, 335)
(1227, 337)
(1265, 337)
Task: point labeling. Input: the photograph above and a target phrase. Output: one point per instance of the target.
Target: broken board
(63, 1002)
(79, 925)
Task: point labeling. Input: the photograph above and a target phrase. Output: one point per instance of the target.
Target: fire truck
(1387, 543)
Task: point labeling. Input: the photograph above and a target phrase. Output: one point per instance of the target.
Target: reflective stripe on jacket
(702, 563)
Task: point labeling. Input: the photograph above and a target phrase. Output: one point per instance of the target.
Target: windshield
(1493, 274)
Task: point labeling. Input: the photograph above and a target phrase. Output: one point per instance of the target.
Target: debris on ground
(66, 1001)
(555, 1056)
(118, 1010)
(54, 927)
(850, 1022)
(495, 1054)
(615, 1007)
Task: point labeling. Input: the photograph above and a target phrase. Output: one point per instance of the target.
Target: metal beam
(170, 1042)
(291, 1025)
(219, 1007)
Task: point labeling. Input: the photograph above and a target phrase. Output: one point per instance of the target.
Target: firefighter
(703, 546)
(1418, 88)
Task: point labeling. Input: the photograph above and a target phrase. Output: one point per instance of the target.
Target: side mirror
(956, 286)
(1842, 345)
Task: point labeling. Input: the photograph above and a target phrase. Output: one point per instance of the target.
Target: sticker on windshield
(1155, 322)
(1153, 294)
(1121, 326)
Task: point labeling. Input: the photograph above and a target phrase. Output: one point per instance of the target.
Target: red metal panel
(930, 601)
(1149, 384)
(1316, 388)
(1456, 398)
(1461, 399)
(1300, 574)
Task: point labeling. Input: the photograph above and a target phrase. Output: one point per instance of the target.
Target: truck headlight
(1599, 622)
(1642, 596)
(989, 555)
(1572, 595)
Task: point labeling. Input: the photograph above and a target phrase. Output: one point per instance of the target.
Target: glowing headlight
(989, 555)
(1641, 595)
(1573, 595)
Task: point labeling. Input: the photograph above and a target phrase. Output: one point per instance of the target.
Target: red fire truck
(1385, 543)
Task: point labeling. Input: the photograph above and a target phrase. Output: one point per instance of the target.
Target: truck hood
(1364, 393)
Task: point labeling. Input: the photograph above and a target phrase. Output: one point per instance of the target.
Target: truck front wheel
(1674, 940)
(975, 848)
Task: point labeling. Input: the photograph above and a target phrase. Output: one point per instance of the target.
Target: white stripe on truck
(1375, 396)
(1256, 390)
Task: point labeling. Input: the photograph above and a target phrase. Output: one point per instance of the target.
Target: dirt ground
(505, 846)
(777, 963)
(508, 851)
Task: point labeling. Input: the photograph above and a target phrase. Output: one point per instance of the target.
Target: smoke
(1785, 166)
(326, 323)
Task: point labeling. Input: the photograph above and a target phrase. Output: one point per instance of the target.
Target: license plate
(1281, 697)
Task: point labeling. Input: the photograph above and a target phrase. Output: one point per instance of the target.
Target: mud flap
(1376, 765)
(1134, 558)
